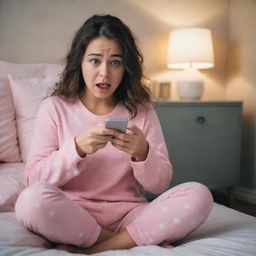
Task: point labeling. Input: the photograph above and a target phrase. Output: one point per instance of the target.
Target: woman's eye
(115, 63)
(94, 61)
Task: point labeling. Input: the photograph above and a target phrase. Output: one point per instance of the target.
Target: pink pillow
(28, 94)
(9, 150)
(12, 182)
(29, 70)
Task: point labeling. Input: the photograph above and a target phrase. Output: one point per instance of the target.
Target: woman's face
(102, 68)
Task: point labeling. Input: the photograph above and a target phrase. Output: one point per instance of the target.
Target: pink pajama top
(109, 174)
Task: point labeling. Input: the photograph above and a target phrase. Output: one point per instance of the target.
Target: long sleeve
(48, 161)
(53, 157)
(155, 173)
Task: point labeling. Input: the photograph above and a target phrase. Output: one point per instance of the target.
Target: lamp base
(190, 89)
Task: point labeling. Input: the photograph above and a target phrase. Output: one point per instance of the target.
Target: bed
(22, 87)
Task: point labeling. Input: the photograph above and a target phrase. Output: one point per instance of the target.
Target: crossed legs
(170, 217)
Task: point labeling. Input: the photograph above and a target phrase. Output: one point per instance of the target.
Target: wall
(41, 30)
(241, 82)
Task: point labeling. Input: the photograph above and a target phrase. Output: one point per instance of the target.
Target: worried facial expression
(102, 68)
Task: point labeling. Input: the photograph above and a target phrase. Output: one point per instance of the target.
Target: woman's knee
(194, 195)
(46, 210)
(34, 199)
(201, 197)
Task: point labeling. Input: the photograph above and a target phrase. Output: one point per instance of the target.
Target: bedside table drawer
(203, 141)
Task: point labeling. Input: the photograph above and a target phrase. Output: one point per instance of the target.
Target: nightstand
(203, 141)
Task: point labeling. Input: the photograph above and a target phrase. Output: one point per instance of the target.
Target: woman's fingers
(121, 144)
(135, 130)
(93, 139)
(104, 131)
(133, 144)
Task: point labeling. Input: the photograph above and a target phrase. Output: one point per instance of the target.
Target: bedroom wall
(41, 30)
(241, 84)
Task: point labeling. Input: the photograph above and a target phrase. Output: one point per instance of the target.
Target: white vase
(190, 89)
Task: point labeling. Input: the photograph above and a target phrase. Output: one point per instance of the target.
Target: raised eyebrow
(116, 55)
(98, 55)
(94, 54)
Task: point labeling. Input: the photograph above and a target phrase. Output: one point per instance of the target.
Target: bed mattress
(226, 232)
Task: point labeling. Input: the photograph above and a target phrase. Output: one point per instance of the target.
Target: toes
(166, 244)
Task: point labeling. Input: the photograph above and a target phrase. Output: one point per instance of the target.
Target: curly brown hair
(131, 91)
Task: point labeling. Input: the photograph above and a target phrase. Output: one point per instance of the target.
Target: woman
(86, 182)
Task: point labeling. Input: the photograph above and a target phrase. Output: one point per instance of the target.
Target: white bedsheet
(225, 233)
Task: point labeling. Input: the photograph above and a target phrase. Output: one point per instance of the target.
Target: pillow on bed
(14, 234)
(9, 149)
(12, 182)
(28, 94)
(29, 70)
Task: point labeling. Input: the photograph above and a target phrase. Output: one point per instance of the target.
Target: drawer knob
(200, 119)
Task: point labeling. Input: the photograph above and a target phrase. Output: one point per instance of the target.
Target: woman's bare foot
(105, 235)
(108, 241)
(93, 249)
(121, 240)
(166, 244)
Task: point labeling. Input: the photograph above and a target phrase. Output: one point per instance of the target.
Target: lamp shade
(190, 47)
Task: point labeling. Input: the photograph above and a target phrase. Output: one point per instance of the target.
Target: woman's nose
(104, 70)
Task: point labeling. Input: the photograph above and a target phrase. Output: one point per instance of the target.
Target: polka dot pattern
(166, 219)
(162, 226)
(176, 220)
(186, 206)
(52, 213)
(166, 213)
(81, 234)
(164, 208)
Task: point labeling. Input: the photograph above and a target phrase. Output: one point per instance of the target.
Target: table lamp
(190, 48)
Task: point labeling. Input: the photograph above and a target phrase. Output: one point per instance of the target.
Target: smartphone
(117, 123)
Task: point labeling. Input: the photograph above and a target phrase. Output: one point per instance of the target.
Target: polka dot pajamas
(70, 199)
(46, 210)
(172, 215)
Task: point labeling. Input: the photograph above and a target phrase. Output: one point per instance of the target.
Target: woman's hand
(93, 139)
(133, 143)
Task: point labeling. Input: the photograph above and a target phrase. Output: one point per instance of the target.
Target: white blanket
(225, 233)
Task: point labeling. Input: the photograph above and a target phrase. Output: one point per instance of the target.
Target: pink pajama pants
(46, 210)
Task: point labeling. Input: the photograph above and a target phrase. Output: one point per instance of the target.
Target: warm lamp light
(190, 48)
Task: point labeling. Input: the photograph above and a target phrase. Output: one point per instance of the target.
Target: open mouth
(103, 85)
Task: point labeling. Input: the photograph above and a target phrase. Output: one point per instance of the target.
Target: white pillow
(9, 149)
(14, 234)
(28, 94)
(12, 182)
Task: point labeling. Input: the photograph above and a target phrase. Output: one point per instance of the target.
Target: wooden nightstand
(203, 140)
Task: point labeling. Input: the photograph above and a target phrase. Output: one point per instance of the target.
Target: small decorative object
(190, 89)
(164, 90)
(190, 48)
(160, 90)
